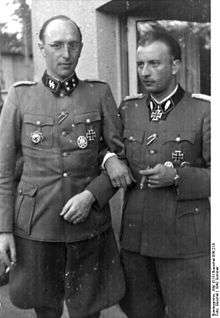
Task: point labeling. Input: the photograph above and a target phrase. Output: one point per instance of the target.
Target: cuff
(106, 157)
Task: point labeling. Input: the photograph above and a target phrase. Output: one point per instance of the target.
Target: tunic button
(65, 154)
(131, 138)
(152, 151)
(196, 210)
(61, 94)
(38, 122)
(73, 125)
(65, 174)
(20, 191)
(88, 120)
(64, 133)
(178, 139)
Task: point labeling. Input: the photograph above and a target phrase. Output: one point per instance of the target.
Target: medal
(37, 137)
(82, 142)
(151, 139)
(168, 164)
(177, 156)
(156, 114)
(91, 135)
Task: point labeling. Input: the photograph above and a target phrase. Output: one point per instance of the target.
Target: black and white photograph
(105, 157)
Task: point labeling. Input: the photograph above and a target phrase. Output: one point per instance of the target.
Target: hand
(77, 208)
(118, 172)
(7, 249)
(159, 176)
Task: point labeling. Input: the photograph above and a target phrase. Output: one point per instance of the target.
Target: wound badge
(82, 142)
(37, 137)
(91, 135)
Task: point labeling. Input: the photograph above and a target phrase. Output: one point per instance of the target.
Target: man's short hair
(57, 17)
(162, 36)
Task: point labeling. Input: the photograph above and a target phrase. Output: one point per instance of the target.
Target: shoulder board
(202, 97)
(94, 80)
(136, 96)
(24, 83)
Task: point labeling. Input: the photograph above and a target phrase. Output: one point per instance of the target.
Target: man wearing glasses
(56, 235)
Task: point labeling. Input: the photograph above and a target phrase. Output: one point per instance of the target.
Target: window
(194, 39)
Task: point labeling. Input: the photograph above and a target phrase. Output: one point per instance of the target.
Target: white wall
(100, 55)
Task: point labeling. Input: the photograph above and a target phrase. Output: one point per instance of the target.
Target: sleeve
(194, 181)
(112, 126)
(9, 140)
(101, 186)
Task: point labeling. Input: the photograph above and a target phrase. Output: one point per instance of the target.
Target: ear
(176, 66)
(80, 49)
(41, 47)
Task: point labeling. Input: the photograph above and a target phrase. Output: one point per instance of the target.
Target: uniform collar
(60, 88)
(159, 111)
(166, 98)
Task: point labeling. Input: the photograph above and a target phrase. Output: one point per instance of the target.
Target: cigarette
(143, 179)
(7, 269)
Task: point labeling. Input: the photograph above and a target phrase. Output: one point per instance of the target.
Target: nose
(145, 70)
(66, 51)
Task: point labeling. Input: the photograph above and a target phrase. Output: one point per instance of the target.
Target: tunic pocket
(134, 146)
(25, 206)
(193, 226)
(37, 131)
(87, 127)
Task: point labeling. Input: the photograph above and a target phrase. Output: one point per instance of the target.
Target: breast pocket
(87, 130)
(133, 140)
(37, 131)
(179, 147)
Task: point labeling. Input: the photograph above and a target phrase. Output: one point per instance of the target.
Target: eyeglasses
(60, 45)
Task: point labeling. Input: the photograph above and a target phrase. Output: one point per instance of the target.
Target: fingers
(151, 171)
(131, 176)
(12, 252)
(5, 259)
(66, 207)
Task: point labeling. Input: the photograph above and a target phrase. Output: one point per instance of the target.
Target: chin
(64, 75)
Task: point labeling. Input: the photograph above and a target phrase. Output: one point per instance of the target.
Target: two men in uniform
(61, 221)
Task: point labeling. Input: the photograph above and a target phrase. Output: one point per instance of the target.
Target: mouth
(148, 82)
(66, 64)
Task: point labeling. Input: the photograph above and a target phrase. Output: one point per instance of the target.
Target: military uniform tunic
(170, 222)
(61, 140)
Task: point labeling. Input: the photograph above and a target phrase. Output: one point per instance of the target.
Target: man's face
(156, 68)
(61, 48)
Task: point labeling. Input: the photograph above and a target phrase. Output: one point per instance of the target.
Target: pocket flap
(38, 120)
(87, 117)
(133, 135)
(178, 137)
(27, 189)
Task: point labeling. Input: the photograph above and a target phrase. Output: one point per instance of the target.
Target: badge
(185, 164)
(37, 137)
(177, 156)
(151, 139)
(91, 135)
(156, 115)
(168, 164)
(82, 142)
(62, 116)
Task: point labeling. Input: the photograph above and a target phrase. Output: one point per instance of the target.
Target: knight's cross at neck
(160, 110)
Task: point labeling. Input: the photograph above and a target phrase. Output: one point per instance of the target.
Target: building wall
(15, 68)
(100, 54)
